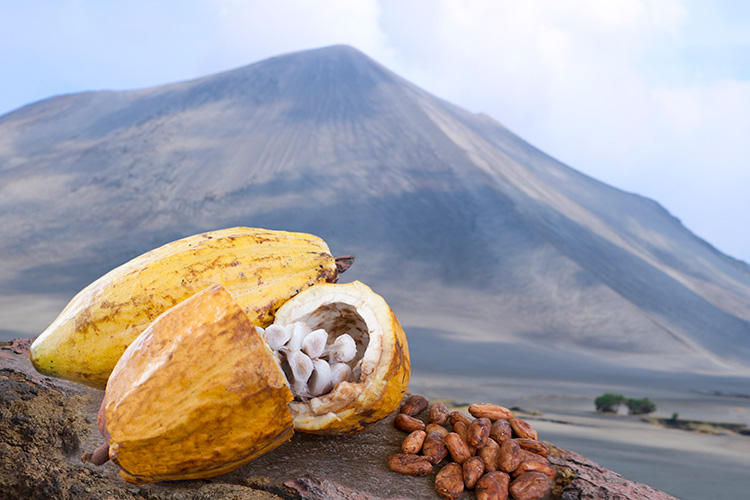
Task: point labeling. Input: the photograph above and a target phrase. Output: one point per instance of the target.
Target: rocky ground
(47, 424)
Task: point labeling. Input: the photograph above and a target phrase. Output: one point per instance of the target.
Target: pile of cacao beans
(495, 453)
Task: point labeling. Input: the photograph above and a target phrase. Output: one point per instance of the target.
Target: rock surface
(47, 424)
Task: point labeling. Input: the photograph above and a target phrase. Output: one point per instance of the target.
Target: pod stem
(343, 263)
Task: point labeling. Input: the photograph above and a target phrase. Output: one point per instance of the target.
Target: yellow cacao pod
(201, 391)
(260, 267)
(197, 394)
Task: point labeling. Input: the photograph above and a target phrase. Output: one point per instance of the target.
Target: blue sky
(650, 96)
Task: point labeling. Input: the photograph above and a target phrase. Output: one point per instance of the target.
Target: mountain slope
(463, 225)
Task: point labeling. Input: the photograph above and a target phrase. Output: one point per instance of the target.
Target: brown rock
(46, 424)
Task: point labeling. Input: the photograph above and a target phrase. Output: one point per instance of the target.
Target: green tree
(640, 406)
(608, 402)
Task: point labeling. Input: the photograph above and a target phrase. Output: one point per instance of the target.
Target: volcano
(467, 229)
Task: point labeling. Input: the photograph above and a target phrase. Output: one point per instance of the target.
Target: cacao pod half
(260, 267)
(201, 391)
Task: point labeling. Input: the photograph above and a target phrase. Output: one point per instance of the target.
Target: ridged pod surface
(197, 394)
(261, 268)
(385, 367)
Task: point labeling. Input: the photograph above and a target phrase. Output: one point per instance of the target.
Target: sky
(652, 97)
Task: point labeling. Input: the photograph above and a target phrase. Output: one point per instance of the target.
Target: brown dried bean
(414, 405)
(473, 470)
(414, 465)
(436, 428)
(501, 430)
(457, 447)
(479, 431)
(463, 430)
(488, 453)
(527, 456)
(434, 448)
(493, 486)
(457, 416)
(449, 482)
(533, 446)
(439, 413)
(509, 456)
(535, 467)
(488, 410)
(522, 429)
(408, 423)
(413, 442)
(531, 486)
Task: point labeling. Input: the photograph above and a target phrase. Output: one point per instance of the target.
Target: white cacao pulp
(313, 365)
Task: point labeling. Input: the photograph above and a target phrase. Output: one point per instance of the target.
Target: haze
(652, 97)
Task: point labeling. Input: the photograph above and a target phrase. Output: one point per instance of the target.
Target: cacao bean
(457, 416)
(463, 430)
(533, 446)
(414, 405)
(479, 431)
(531, 486)
(473, 470)
(501, 430)
(439, 413)
(522, 429)
(527, 456)
(535, 467)
(414, 465)
(488, 453)
(407, 423)
(457, 447)
(488, 410)
(449, 482)
(493, 486)
(509, 456)
(413, 442)
(434, 448)
(436, 428)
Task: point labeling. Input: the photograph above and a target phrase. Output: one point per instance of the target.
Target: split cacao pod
(261, 268)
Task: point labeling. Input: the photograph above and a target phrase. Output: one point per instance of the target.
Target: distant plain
(689, 465)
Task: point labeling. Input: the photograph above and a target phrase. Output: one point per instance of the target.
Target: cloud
(251, 30)
(650, 96)
(593, 83)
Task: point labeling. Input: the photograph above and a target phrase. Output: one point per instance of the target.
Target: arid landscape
(518, 279)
